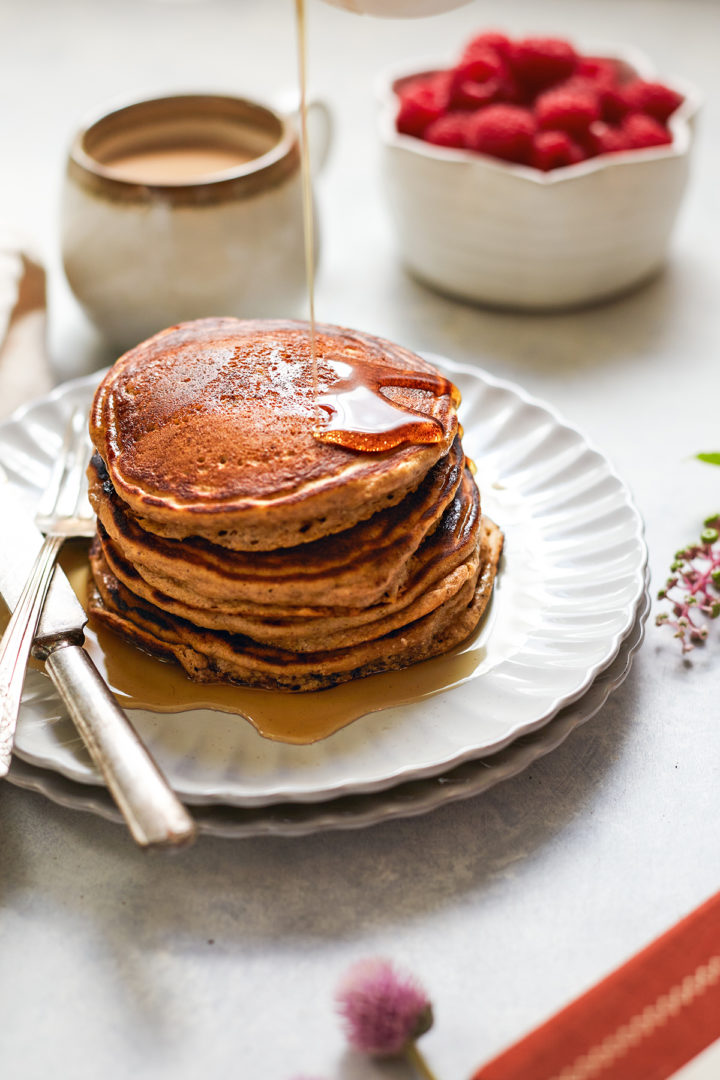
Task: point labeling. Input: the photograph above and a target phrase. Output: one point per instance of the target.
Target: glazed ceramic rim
(265, 171)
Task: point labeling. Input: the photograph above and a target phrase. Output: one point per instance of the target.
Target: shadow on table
(354, 1066)
(614, 333)
(326, 886)
(148, 915)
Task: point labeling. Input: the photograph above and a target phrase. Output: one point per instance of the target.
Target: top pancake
(206, 429)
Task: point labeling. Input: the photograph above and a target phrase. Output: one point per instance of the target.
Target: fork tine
(67, 509)
(49, 497)
(83, 509)
(73, 481)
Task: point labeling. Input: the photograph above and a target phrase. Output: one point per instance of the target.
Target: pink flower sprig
(384, 1012)
(694, 587)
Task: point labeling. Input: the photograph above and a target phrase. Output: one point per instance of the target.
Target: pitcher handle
(320, 124)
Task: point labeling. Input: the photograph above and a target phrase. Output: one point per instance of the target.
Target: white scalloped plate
(567, 594)
(360, 811)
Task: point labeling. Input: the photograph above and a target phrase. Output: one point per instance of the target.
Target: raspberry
(420, 103)
(654, 99)
(482, 65)
(614, 104)
(598, 69)
(473, 95)
(543, 61)
(514, 92)
(503, 131)
(442, 83)
(567, 108)
(449, 130)
(553, 149)
(585, 85)
(476, 81)
(642, 131)
(491, 39)
(604, 139)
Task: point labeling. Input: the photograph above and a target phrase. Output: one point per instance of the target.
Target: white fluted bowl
(508, 235)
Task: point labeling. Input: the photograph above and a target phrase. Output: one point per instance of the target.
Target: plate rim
(397, 803)
(403, 773)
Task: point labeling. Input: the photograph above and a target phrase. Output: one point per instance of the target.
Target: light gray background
(221, 962)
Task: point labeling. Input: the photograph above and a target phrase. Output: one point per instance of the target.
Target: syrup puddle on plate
(140, 681)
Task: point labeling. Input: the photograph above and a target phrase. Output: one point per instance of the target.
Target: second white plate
(361, 811)
(569, 587)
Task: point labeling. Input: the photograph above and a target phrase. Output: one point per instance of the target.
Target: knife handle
(17, 642)
(154, 814)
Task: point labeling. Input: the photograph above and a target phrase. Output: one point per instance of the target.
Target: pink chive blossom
(384, 1009)
(694, 588)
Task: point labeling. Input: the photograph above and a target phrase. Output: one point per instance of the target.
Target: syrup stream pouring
(306, 175)
(352, 412)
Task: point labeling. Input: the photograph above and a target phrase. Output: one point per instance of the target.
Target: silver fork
(152, 811)
(64, 511)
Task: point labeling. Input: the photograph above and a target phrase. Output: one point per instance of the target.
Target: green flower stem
(416, 1059)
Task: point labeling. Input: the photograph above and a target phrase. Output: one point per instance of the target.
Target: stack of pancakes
(233, 540)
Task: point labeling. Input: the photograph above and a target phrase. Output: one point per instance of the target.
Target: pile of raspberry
(536, 102)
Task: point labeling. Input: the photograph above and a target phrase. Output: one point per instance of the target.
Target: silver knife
(154, 814)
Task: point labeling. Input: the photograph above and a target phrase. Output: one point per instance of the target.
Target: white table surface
(221, 962)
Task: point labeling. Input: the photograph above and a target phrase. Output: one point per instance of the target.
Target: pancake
(446, 560)
(206, 430)
(268, 521)
(358, 567)
(209, 656)
(301, 635)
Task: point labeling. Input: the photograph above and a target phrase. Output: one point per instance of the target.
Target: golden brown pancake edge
(169, 416)
(210, 656)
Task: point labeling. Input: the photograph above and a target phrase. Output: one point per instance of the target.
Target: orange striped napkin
(645, 1021)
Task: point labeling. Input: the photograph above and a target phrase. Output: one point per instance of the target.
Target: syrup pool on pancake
(360, 417)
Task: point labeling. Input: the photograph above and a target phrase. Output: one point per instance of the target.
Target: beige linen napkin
(24, 366)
